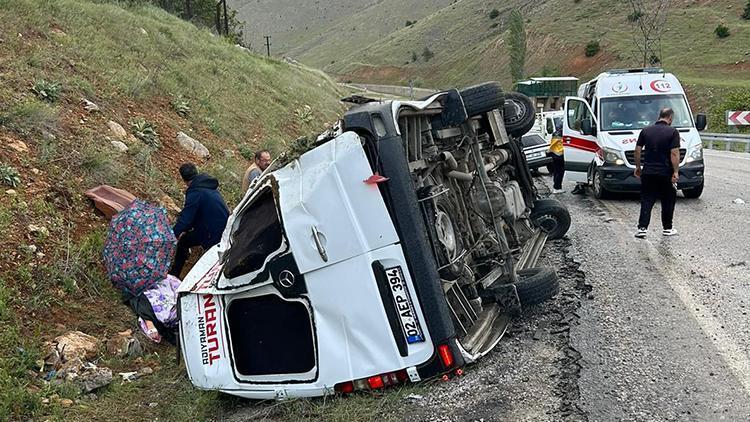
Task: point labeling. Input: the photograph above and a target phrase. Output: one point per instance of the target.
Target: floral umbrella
(139, 247)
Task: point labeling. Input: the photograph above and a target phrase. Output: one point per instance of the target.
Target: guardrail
(709, 140)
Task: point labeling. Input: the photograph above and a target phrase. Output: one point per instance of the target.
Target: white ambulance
(601, 127)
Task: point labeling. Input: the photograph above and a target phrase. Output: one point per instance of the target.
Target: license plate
(404, 305)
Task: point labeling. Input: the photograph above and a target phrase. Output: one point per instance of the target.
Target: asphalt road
(666, 335)
(643, 330)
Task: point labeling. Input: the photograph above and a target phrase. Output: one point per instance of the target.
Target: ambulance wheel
(519, 114)
(693, 193)
(552, 217)
(480, 99)
(535, 285)
(600, 192)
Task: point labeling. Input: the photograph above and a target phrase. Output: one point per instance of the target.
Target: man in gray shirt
(260, 164)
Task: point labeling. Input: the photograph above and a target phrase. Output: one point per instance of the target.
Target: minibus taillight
(375, 382)
(446, 356)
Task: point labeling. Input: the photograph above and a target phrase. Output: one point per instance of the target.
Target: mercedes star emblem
(286, 278)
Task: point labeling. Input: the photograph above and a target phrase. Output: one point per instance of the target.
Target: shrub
(494, 13)
(409, 23)
(145, 131)
(735, 99)
(213, 125)
(721, 31)
(9, 176)
(427, 54)
(100, 166)
(304, 114)
(414, 57)
(46, 91)
(550, 70)
(180, 105)
(247, 152)
(417, 82)
(635, 16)
(30, 116)
(592, 48)
(746, 13)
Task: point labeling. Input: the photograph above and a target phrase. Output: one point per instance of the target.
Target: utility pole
(268, 45)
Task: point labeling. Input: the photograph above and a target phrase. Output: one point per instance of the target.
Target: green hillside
(468, 44)
(286, 21)
(136, 64)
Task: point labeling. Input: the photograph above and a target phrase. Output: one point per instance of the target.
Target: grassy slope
(469, 46)
(132, 62)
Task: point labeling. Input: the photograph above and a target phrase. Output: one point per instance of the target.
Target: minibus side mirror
(700, 122)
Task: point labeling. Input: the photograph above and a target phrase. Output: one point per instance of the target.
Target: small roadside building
(548, 93)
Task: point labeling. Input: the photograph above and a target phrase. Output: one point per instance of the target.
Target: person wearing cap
(556, 151)
(203, 216)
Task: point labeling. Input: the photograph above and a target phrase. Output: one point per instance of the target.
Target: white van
(378, 257)
(601, 128)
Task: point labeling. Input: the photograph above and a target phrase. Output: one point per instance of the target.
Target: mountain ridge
(468, 44)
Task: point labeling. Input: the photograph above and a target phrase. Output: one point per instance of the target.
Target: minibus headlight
(696, 154)
(613, 156)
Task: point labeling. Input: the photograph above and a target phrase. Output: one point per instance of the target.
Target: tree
(494, 13)
(202, 13)
(414, 57)
(427, 54)
(736, 99)
(721, 31)
(746, 13)
(516, 41)
(592, 48)
(649, 18)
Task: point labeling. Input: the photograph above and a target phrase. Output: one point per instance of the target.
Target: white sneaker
(669, 232)
(641, 233)
(557, 191)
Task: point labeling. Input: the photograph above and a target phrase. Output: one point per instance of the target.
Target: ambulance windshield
(632, 113)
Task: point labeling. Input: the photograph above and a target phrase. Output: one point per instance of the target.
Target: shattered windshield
(257, 236)
(631, 113)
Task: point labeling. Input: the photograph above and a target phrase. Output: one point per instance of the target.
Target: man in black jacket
(203, 216)
(660, 145)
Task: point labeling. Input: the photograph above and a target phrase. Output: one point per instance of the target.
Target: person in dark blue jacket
(203, 216)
